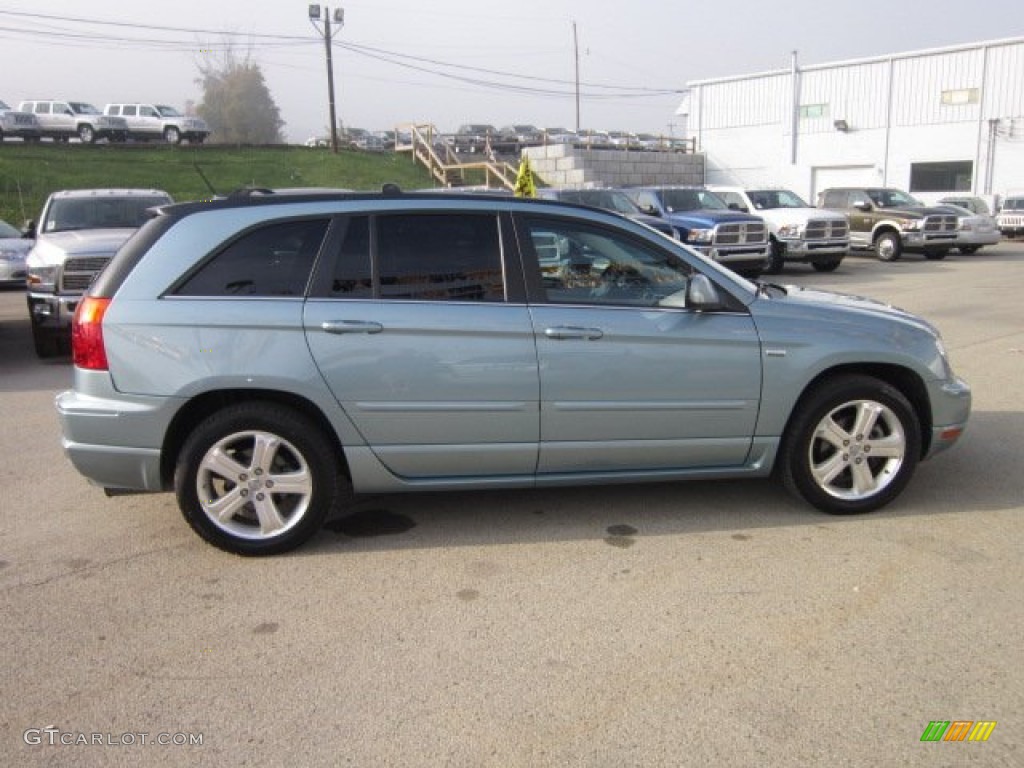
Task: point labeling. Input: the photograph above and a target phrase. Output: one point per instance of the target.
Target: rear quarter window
(274, 260)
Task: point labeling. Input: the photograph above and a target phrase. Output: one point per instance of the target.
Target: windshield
(691, 200)
(1014, 204)
(99, 213)
(166, 111)
(891, 198)
(609, 199)
(770, 199)
(81, 108)
(7, 231)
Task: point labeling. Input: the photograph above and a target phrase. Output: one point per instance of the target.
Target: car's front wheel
(257, 478)
(888, 246)
(852, 446)
(172, 135)
(827, 266)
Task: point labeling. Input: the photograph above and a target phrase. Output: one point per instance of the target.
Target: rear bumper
(108, 436)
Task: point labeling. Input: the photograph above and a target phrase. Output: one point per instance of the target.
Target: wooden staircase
(426, 147)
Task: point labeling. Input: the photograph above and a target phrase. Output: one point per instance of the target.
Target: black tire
(936, 255)
(968, 249)
(86, 134)
(776, 259)
(888, 246)
(172, 135)
(258, 444)
(821, 438)
(48, 344)
(827, 266)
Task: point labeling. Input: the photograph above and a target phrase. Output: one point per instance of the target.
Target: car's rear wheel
(969, 249)
(257, 478)
(852, 446)
(888, 246)
(827, 266)
(86, 134)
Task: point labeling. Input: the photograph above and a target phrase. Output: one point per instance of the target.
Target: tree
(236, 103)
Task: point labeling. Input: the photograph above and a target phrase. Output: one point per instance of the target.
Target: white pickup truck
(797, 231)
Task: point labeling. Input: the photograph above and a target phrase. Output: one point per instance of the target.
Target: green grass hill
(30, 172)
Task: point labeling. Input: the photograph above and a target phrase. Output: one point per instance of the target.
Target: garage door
(825, 176)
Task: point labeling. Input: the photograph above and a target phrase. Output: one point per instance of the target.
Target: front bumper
(951, 407)
(748, 256)
(797, 249)
(924, 241)
(52, 311)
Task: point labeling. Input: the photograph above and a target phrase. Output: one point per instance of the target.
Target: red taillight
(87, 350)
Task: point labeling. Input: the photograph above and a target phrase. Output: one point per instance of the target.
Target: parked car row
(476, 138)
(62, 120)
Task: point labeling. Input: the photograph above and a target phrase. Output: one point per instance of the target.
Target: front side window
(584, 264)
(691, 200)
(891, 198)
(272, 261)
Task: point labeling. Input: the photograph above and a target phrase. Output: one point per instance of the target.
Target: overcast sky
(458, 61)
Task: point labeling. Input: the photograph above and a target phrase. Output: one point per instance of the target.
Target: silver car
(262, 356)
(14, 247)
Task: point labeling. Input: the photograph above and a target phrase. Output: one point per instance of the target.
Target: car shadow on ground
(982, 474)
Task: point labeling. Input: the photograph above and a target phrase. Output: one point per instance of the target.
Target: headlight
(911, 226)
(700, 236)
(42, 277)
(789, 230)
(965, 226)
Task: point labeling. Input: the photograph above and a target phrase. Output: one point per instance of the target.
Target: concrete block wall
(562, 165)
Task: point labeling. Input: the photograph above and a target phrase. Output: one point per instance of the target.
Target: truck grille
(740, 234)
(1011, 221)
(827, 229)
(78, 273)
(940, 225)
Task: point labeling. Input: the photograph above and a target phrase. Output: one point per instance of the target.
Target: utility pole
(576, 51)
(339, 19)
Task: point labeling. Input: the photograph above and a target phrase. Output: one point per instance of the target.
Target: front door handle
(351, 326)
(573, 332)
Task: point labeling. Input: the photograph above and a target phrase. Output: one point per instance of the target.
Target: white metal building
(931, 121)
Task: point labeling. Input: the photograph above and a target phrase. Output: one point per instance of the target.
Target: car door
(423, 337)
(632, 380)
(149, 122)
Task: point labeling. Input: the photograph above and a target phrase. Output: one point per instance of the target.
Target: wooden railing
(429, 148)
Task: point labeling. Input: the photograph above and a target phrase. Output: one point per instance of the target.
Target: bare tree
(236, 103)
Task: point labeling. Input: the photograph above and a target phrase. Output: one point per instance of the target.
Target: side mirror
(701, 294)
(862, 205)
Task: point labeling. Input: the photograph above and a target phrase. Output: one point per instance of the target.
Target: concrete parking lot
(712, 624)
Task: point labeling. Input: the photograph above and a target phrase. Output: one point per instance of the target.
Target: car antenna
(206, 181)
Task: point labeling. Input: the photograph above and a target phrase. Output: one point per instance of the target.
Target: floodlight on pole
(339, 19)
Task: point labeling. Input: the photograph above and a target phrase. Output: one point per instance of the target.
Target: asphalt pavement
(708, 623)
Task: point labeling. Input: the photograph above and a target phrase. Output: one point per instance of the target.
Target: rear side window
(439, 257)
(274, 260)
(835, 198)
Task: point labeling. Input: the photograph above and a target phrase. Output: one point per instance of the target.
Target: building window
(811, 111)
(956, 98)
(941, 177)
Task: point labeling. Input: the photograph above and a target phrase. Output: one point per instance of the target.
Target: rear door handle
(573, 332)
(351, 326)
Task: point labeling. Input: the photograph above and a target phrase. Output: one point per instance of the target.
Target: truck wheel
(888, 246)
(777, 258)
(852, 445)
(86, 134)
(172, 135)
(257, 478)
(827, 266)
(47, 344)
